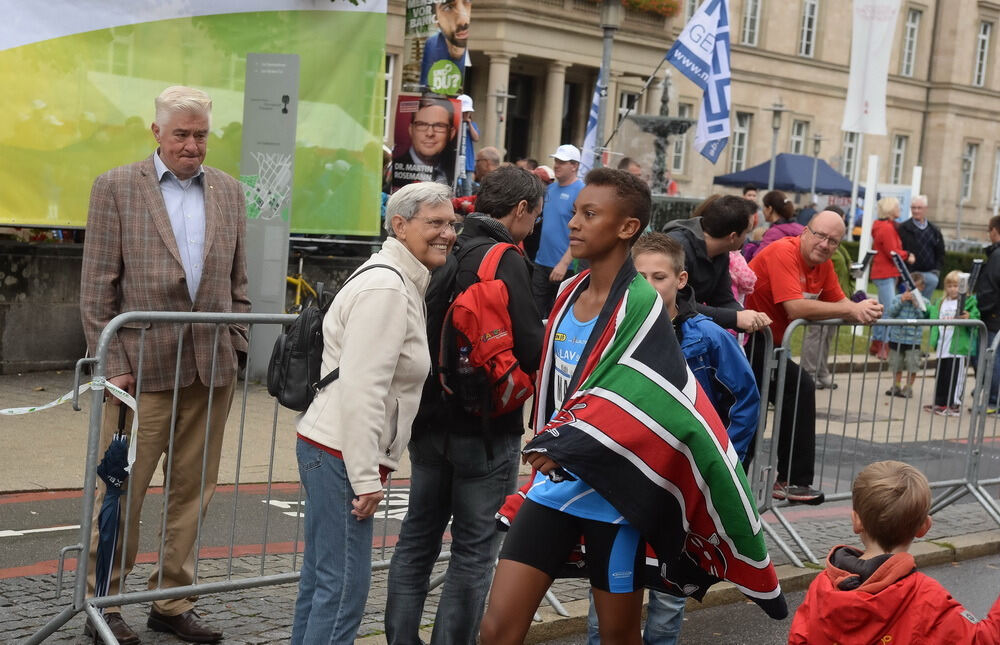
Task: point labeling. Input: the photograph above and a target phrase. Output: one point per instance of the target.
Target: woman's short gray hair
(408, 200)
(178, 98)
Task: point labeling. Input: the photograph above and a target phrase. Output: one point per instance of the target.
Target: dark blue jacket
(722, 369)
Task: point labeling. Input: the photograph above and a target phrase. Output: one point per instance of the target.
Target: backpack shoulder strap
(335, 374)
(488, 267)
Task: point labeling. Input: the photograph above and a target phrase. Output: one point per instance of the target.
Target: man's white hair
(178, 98)
(408, 200)
(919, 198)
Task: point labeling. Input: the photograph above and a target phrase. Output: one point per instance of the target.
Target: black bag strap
(335, 374)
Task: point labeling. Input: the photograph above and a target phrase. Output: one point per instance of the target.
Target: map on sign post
(269, 192)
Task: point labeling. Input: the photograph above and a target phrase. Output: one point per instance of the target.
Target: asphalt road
(974, 583)
(34, 526)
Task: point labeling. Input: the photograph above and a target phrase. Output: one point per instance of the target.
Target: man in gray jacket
(719, 225)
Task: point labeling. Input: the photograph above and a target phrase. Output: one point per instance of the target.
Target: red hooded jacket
(885, 239)
(884, 600)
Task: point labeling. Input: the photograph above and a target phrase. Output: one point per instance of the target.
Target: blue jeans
(454, 477)
(886, 292)
(336, 566)
(664, 617)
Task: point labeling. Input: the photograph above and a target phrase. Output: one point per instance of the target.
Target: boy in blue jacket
(722, 369)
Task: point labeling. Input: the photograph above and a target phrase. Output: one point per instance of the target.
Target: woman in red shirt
(885, 240)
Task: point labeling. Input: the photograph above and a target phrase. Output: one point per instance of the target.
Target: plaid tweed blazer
(131, 262)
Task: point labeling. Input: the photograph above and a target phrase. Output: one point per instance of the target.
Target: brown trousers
(183, 500)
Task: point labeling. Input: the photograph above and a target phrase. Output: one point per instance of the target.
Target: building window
(800, 132)
(679, 156)
(751, 22)
(982, 53)
(910, 31)
(969, 171)
(741, 141)
(627, 104)
(390, 70)
(996, 178)
(899, 143)
(807, 34)
(849, 152)
(690, 6)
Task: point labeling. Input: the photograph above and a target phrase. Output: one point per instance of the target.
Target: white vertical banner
(871, 47)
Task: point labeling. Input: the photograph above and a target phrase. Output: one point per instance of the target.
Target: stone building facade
(943, 98)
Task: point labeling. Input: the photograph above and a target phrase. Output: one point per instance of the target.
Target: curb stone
(792, 578)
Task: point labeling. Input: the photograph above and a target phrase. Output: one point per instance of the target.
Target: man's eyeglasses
(823, 237)
(424, 126)
(440, 224)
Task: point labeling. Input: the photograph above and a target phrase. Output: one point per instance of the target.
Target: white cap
(466, 102)
(567, 152)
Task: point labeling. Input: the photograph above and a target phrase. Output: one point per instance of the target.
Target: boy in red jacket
(878, 596)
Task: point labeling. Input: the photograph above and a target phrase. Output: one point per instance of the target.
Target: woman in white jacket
(357, 427)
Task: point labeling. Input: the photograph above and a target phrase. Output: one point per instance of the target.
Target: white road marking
(51, 529)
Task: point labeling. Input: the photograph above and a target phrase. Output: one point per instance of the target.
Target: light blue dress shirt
(185, 202)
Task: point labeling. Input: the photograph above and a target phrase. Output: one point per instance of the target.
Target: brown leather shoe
(119, 628)
(186, 626)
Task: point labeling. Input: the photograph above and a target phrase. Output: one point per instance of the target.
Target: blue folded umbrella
(113, 469)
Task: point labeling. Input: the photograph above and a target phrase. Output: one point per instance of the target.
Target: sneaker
(941, 410)
(797, 494)
(955, 411)
(992, 410)
(894, 391)
(907, 392)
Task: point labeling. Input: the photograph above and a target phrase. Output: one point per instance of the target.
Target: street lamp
(776, 111)
(611, 20)
(817, 139)
(967, 160)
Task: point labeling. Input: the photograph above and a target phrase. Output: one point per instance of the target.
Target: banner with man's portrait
(426, 139)
(441, 29)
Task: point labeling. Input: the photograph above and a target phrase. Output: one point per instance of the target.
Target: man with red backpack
(466, 439)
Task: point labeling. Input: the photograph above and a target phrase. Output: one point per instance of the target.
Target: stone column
(653, 96)
(614, 84)
(555, 89)
(499, 78)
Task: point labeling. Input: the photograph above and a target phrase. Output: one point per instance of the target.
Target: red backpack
(476, 362)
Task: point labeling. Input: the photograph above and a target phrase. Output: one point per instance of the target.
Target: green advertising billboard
(80, 79)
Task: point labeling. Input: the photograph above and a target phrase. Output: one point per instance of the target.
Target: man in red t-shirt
(795, 279)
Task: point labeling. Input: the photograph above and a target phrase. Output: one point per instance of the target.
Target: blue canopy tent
(792, 174)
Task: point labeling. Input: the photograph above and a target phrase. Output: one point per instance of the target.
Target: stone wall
(40, 326)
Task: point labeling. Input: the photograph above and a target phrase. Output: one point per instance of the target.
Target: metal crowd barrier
(860, 420)
(271, 570)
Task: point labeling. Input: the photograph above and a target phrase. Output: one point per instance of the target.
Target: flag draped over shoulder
(701, 52)
(636, 426)
(590, 137)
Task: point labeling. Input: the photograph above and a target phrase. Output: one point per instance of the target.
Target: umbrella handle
(122, 410)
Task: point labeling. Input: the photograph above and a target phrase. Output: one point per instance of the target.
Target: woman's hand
(366, 505)
(540, 462)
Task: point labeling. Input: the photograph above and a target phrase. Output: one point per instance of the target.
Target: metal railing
(268, 571)
(860, 416)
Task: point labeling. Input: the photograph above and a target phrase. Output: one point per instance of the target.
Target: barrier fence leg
(795, 535)
(787, 550)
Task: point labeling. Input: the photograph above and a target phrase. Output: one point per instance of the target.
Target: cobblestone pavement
(263, 615)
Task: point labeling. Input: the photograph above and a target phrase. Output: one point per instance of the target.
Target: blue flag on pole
(701, 53)
(590, 137)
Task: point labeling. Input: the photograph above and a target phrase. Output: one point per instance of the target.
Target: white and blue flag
(590, 137)
(701, 53)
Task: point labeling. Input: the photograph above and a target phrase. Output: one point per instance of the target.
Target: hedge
(953, 260)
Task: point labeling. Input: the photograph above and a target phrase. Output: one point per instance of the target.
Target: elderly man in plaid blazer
(167, 234)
